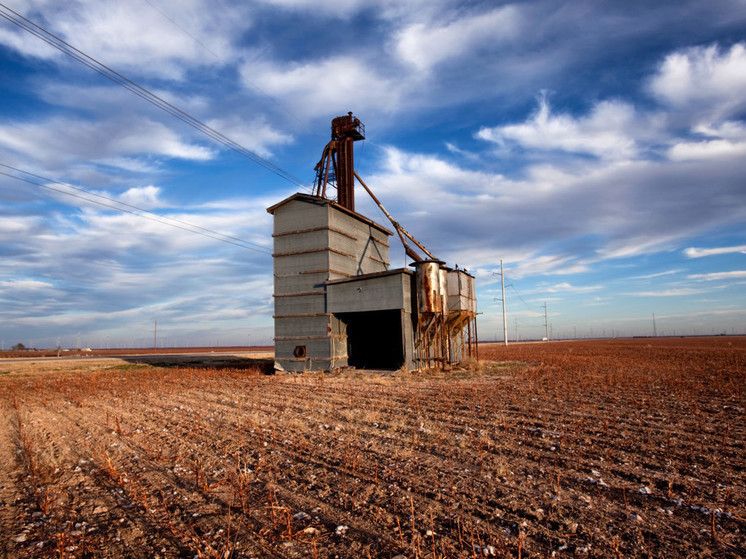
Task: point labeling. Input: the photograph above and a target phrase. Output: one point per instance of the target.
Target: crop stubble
(610, 448)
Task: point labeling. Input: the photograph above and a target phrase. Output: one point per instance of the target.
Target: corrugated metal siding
(461, 292)
(370, 294)
(294, 264)
(301, 241)
(300, 305)
(300, 282)
(302, 326)
(298, 215)
(314, 242)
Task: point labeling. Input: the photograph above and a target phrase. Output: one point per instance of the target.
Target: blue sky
(597, 148)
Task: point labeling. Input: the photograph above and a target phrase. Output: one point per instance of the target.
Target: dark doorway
(374, 339)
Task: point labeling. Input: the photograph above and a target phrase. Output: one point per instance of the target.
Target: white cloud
(157, 138)
(566, 287)
(25, 285)
(425, 46)
(738, 274)
(729, 130)
(256, 136)
(713, 149)
(560, 264)
(332, 8)
(65, 139)
(15, 226)
(561, 216)
(627, 242)
(668, 293)
(116, 105)
(705, 80)
(659, 274)
(140, 40)
(20, 42)
(431, 169)
(608, 131)
(141, 196)
(693, 252)
(132, 164)
(322, 87)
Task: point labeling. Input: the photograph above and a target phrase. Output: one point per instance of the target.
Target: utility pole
(505, 316)
(155, 334)
(546, 324)
(655, 331)
(502, 300)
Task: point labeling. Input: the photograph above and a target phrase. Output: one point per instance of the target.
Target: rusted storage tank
(461, 292)
(429, 298)
(443, 288)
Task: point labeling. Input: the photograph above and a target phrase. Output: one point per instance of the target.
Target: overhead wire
(102, 69)
(525, 320)
(132, 209)
(221, 60)
(511, 286)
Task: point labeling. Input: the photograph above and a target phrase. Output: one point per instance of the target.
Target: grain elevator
(337, 302)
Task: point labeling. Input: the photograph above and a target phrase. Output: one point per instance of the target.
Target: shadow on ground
(224, 362)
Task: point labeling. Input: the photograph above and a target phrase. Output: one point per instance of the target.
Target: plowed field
(616, 448)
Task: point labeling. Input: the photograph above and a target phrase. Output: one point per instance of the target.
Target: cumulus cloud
(707, 80)
(608, 131)
(141, 196)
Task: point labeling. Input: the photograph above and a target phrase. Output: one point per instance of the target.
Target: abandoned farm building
(338, 303)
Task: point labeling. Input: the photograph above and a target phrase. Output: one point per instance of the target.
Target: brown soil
(612, 448)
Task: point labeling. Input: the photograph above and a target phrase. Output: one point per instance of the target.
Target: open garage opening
(374, 339)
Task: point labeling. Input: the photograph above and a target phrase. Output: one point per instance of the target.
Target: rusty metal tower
(337, 164)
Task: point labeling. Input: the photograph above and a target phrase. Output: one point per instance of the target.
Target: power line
(134, 210)
(222, 61)
(195, 39)
(64, 47)
(521, 298)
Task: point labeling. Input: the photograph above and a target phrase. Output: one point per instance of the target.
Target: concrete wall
(316, 241)
(386, 291)
(383, 291)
